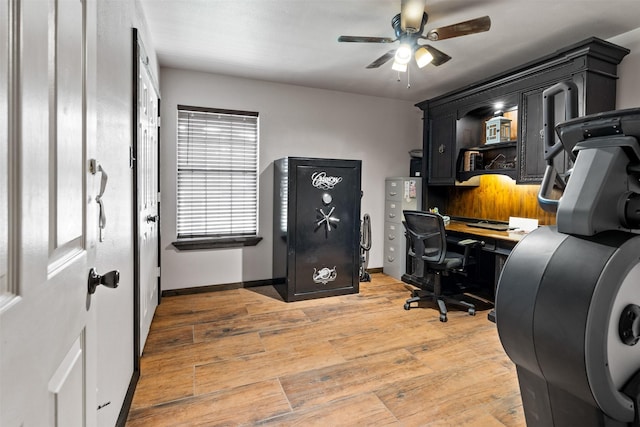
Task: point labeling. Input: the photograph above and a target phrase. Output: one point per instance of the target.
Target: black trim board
(238, 285)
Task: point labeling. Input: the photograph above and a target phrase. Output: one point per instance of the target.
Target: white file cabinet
(401, 193)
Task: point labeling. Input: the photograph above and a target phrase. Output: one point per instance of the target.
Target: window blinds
(217, 173)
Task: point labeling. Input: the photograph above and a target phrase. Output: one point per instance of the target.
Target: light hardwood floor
(245, 357)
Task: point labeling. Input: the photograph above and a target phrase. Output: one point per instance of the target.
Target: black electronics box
(415, 168)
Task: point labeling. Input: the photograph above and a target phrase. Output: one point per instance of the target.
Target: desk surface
(462, 227)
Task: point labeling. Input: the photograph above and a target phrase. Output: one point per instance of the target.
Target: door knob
(110, 280)
(152, 218)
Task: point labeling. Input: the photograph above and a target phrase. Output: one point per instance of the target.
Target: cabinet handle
(391, 237)
(392, 215)
(392, 193)
(391, 259)
(441, 149)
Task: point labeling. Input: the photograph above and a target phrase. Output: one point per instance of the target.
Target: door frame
(138, 51)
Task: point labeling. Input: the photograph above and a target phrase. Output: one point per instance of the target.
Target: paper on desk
(523, 224)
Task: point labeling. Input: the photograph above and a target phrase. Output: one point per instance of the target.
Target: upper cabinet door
(532, 147)
(531, 156)
(596, 93)
(441, 149)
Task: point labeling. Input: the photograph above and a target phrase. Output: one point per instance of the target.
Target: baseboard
(238, 285)
(222, 287)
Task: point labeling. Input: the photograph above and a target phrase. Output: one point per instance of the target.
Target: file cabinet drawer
(394, 233)
(394, 250)
(392, 254)
(393, 211)
(393, 189)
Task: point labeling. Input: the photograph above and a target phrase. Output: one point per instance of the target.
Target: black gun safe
(316, 227)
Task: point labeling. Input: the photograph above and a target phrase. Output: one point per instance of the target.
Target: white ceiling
(295, 41)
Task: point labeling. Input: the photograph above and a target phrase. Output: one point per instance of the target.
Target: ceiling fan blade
(439, 57)
(364, 39)
(384, 58)
(472, 26)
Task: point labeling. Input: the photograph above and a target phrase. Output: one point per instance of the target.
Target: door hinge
(158, 197)
(159, 121)
(131, 157)
(158, 271)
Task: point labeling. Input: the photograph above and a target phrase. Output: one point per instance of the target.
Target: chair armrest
(468, 245)
(471, 242)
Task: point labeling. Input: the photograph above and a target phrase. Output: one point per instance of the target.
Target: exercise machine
(568, 298)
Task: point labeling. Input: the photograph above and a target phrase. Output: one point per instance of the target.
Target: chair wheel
(443, 317)
(472, 312)
(407, 306)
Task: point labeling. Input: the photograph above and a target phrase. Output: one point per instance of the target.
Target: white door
(47, 104)
(147, 195)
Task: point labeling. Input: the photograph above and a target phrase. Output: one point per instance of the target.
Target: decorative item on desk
(445, 218)
(498, 129)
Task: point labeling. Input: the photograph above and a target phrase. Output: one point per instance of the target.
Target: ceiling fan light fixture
(423, 57)
(411, 15)
(403, 54)
(402, 68)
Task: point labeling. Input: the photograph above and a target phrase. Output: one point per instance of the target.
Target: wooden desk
(496, 241)
(497, 247)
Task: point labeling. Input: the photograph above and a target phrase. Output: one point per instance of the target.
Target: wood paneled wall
(497, 198)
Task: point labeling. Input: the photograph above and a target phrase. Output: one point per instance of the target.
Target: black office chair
(427, 246)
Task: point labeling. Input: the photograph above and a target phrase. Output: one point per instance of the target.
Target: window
(217, 181)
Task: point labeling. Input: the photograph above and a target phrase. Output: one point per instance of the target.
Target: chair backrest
(427, 235)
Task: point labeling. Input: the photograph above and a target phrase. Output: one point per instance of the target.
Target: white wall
(115, 306)
(294, 121)
(628, 88)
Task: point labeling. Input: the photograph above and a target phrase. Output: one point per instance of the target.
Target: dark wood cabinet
(454, 122)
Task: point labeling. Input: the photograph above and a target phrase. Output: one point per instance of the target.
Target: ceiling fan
(409, 27)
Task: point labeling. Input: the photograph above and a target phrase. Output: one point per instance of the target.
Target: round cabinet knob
(326, 198)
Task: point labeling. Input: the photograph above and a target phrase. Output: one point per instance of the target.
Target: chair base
(441, 301)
